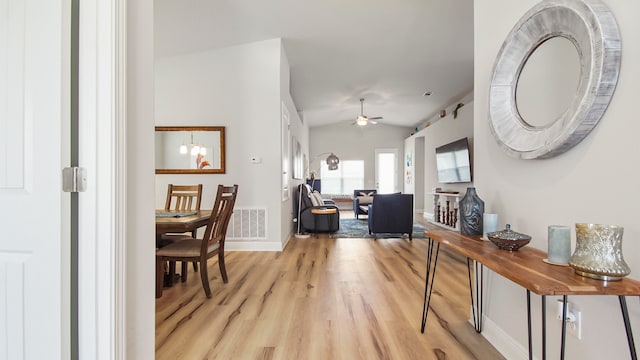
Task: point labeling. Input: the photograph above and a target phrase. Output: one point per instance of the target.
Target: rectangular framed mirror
(189, 150)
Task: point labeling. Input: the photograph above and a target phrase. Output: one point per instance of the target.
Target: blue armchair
(391, 213)
(361, 201)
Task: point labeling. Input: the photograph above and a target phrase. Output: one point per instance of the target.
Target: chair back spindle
(187, 197)
(216, 231)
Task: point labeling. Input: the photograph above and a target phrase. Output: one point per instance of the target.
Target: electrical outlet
(574, 319)
(575, 327)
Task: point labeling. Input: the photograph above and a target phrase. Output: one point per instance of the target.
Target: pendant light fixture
(195, 148)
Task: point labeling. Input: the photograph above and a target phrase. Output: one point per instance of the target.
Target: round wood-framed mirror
(592, 29)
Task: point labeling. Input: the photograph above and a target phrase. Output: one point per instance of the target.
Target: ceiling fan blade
(362, 120)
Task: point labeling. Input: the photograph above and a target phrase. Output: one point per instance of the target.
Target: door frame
(102, 222)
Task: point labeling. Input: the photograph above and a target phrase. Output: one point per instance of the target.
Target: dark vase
(471, 210)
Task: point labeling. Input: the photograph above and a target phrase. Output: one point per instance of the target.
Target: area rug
(359, 228)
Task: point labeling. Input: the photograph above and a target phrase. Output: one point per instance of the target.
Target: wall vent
(248, 224)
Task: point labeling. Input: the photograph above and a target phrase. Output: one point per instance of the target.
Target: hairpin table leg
(564, 326)
(430, 276)
(529, 337)
(627, 327)
(477, 301)
(544, 327)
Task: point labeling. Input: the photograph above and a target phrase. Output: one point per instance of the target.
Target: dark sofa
(391, 213)
(310, 222)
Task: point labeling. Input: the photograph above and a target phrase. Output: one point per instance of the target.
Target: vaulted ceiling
(389, 52)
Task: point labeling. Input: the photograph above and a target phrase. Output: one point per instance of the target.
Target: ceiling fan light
(361, 121)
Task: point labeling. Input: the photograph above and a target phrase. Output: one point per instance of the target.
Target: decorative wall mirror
(591, 29)
(190, 150)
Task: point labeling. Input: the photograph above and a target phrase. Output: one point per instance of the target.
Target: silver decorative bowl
(508, 239)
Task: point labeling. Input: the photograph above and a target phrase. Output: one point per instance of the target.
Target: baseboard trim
(505, 344)
(253, 246)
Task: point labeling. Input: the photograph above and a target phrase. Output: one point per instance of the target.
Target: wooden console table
(526, 268)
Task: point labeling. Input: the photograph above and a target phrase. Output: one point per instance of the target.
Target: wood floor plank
(322, 298)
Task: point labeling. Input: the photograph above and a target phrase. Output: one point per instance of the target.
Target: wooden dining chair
(182, 198)
(200, 250)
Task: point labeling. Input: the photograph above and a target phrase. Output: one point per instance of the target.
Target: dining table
(178, 222)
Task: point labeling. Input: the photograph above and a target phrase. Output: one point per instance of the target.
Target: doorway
(386, 168)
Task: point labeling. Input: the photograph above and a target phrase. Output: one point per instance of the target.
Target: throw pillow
(365, 200)
(316, 199)
(370, 193)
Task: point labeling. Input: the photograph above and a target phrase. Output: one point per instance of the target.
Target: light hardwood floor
(322, 298)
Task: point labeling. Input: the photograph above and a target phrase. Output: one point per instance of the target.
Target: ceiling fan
(363, 120)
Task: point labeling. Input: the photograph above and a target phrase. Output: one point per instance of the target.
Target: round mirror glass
(548, 82)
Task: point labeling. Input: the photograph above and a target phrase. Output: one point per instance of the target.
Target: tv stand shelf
(444, 226)
(447, 193)
(440, 202)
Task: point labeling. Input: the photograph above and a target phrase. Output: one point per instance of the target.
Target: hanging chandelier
(195, 148)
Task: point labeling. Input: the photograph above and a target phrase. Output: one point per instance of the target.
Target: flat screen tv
(453, 162)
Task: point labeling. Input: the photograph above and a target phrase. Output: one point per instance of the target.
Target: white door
(34, 215)
(386, 170)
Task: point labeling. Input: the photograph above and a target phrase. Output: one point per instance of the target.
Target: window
(348, 177)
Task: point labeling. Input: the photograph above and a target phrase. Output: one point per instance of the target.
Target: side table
(319, 211)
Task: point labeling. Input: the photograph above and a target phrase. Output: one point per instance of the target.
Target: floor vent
(248, 224)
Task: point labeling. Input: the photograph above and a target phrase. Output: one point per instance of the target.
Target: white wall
(440, 132)
(443, 132)
(596, 181)
(300, 131)
(408, 174)
(350, 142)
(240, 88)
(140, 251)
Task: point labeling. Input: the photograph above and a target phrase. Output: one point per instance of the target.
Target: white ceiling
(388, 51)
